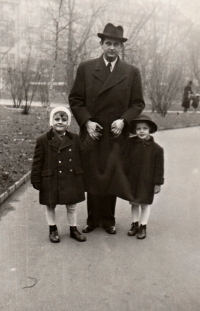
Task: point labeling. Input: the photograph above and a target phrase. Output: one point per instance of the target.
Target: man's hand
(157, 189)
(117, 127)
(94, 129)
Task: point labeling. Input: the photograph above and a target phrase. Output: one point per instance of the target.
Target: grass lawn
(18, 134)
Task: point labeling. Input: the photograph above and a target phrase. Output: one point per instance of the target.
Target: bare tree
(7, 42)
(136, 32)
(194, 52)
(79, 36)
(22, 82)
(43, 91)
(65, 36)
(55, 14)
(30, 77)
(13, 84)
(164, 84)
(165, 58)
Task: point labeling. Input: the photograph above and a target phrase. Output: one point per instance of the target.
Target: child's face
(60, 122)
(142, 130)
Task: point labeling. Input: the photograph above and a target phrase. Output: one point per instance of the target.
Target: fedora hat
(113, 32)
(143, 118)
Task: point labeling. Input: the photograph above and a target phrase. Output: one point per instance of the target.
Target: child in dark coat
(144, 166)
(57, 173)
(195, 102)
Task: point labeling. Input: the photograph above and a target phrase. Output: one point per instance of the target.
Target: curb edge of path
(178, 127)
(14, 187)
(24, 178)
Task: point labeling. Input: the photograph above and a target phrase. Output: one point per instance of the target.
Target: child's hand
(94, 129)
(157, 189)
(98, 133)
(36, 185)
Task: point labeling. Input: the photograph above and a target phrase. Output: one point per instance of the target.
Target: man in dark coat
(105, 97)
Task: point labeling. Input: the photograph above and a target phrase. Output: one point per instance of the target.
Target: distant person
(144, 168)
(187, 96)
(57, 172)
(195, 102)
(106, 95)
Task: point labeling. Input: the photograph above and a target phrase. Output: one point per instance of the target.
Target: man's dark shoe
(111, 230)
(134, 229)
(75, 234)
(54, 237)
(88, 229)
(142, 232)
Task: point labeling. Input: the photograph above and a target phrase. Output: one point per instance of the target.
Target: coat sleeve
(77, 98)
(136, 102)
(37, 162)
(159, 167)
(87, 145)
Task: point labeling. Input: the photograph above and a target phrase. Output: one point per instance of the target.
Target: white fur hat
(58, 109)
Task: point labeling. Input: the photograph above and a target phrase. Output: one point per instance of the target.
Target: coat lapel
(58, 144)
(115, 77)
(55, 142)
(66, 142)
(100, 71)
(146, 142)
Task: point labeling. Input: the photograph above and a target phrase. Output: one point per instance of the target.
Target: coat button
(58, 151)
(60, 171)
(59, 161)
(70, 149)
(70, 160)
(71, 170)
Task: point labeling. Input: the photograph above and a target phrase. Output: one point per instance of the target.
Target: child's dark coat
(143, 162)
(195, 102)
(57, 167)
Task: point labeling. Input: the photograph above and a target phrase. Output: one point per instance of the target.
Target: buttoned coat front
(57, 167)
(104, 98)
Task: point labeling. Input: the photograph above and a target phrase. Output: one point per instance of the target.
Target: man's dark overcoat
(103, 98)
(57, 167)
(143, 163)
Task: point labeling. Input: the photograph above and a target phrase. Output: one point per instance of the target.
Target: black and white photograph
(99, 146)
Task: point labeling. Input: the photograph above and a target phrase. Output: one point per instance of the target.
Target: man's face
(111, 48)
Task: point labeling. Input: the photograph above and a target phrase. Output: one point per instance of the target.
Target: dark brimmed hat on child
(143, 118)
(113, 32)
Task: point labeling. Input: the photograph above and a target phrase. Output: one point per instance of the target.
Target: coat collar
(117, 75)
(144, 141)
(57, 143)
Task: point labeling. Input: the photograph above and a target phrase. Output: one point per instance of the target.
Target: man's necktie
(109, 67)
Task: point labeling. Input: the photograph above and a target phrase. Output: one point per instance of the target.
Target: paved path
(109, 273)
(9, 102)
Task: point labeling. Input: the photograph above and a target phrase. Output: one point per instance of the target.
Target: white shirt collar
(112, 63)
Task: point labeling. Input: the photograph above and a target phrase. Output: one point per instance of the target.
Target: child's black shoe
(142, 232)
(134, 229)
(54, 237)
(75, 234)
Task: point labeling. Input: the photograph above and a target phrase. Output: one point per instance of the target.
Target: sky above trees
(190, 8)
